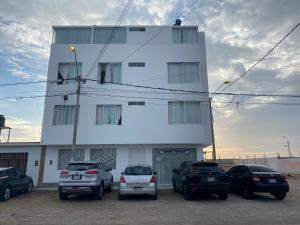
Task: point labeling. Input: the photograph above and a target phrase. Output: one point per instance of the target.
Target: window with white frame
(109, 114)
(65, 156)
(184, 35)
(68, 71)
(72, 35)
(107, 156)
(184, 112)
(63, 114)
(104, 35)
(184, 72)
(109, 72)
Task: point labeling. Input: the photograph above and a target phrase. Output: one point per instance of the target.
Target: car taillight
(284, 178)
(64, 173)
(122, 180)
(153, 179)
(91, 172)
(256, 178)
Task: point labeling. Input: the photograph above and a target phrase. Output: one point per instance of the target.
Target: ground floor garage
(163, 158)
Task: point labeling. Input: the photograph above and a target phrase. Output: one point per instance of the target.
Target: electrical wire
(262, 58)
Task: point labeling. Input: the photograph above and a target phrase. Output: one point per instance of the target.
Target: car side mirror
(175, 171)
(122, 173)
(154, 173)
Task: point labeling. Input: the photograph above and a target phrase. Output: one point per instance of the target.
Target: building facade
(123, 117)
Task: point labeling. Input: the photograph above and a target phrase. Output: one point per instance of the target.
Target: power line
(262, 58)
(111, 36)
(21, 83)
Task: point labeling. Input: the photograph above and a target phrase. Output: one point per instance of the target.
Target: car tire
(99, 192)
(6, 194)
(154, 197)
(120, 197)
(223, 196)
(280, 196)
(246, 193)
(174, 187)
(110, 188)
(62, 196)
(29, 187)
(187, 194)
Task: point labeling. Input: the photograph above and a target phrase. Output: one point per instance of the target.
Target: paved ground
(43, 207)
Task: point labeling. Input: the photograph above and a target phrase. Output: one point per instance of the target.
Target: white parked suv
(85, 177)
(138, 180)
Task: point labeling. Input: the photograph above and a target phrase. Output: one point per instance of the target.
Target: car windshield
(203, 167)
(260, 169)
(81, 166)
(138, 170)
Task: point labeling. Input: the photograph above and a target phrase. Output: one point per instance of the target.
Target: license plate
(137, 189)
(272, 181)
(210, 179)
(76, 177)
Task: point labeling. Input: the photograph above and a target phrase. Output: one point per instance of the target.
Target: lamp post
(288, 145)
(78, 80)
(214, 155)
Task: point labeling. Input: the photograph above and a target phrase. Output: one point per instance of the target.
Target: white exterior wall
(51, 173)
(140, 124)
(34, 154)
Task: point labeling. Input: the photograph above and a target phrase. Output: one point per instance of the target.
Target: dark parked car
(12, 181)
(247, 179)
(200, 177)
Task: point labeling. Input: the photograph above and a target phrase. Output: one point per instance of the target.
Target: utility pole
(78, 80)
(214, 155)
(288, 145)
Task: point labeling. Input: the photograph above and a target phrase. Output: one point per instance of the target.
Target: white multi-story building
(123, 124)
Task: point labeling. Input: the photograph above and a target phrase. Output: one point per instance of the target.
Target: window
(184, 112)
(136, 64)
(65, 156)
(72, 35)
(184, 35)
(107, 156)
(110, 34)
(63, 114)
(137, 29)
(136, 103)
(109, 114)
(109, 72)
(68, 71)
(183, 73)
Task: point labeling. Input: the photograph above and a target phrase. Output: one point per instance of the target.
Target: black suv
(200, 177)
(13, 181)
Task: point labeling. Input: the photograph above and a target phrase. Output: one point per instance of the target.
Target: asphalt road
(44, 207)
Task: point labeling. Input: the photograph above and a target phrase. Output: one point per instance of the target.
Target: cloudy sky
(238, 33)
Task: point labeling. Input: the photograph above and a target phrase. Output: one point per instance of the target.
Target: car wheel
(154, 197)
(99, 192)
(110, 188)
(280, 196)
(30, 187)
(187, 193)
(62, 196)
(174, 187)
(120, 197)
(223, 196)
(246, 193)
(5, 195)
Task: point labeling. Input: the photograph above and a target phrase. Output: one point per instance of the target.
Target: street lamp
(212, 120)
(78, 80)
(288, 145)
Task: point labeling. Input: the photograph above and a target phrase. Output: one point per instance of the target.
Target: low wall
(284, 165)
